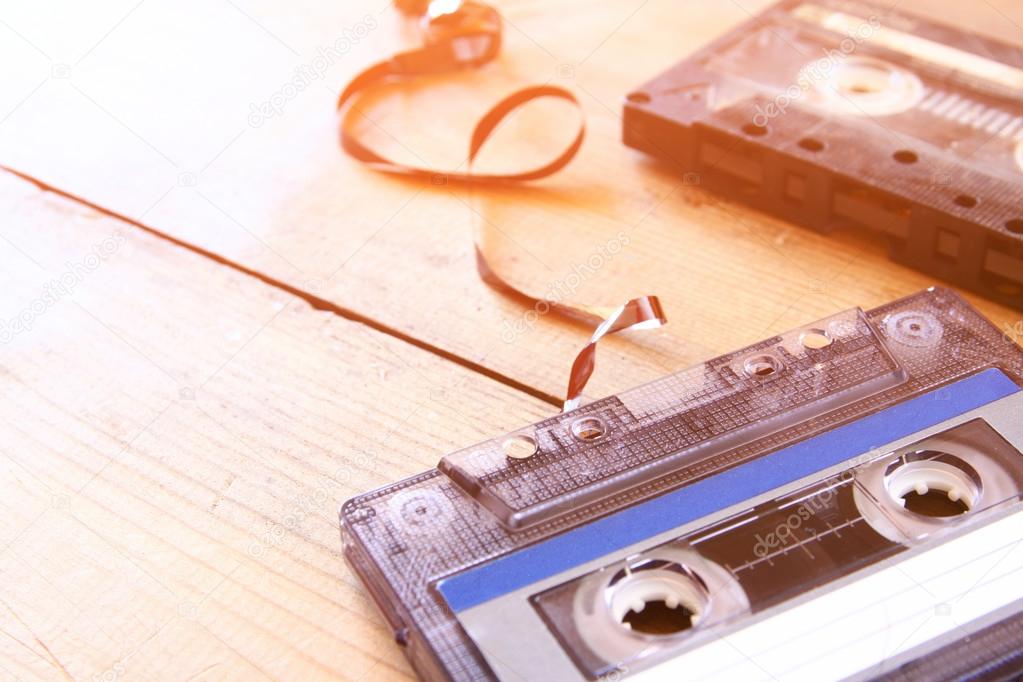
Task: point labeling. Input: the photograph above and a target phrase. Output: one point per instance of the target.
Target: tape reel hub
(657, 598)
(933, 484)
(654, 602)
(863, 86)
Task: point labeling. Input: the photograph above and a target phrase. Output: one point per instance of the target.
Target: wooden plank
(177, 438)
(182, 151)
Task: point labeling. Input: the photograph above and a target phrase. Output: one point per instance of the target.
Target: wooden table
(228, 327)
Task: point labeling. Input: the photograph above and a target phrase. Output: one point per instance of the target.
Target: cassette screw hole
(815, 339)
(1015, 225)
(519, 447)
(811, 144)
(905, 156)
(638, 98)
(965, 200)
(754, 130)
(588, 428)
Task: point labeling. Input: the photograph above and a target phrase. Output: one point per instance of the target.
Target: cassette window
(669, 599)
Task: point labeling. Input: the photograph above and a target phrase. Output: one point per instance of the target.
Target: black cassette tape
(839, 501)
(831, 113)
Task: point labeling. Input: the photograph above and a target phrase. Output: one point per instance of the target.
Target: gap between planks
(316, 302)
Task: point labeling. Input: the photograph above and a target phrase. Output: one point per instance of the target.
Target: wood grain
(177, 440)
(163, 92)
(177, 435)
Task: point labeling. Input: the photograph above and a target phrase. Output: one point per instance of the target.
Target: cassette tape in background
(830, 113)
(841, 501)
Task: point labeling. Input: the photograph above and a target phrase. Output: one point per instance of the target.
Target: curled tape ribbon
(462, 35)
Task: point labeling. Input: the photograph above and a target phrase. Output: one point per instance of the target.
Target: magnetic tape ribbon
(467, 35)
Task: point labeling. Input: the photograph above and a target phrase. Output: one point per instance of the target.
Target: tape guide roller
(841, 501)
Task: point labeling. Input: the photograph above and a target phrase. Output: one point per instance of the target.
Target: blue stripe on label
(603, 536)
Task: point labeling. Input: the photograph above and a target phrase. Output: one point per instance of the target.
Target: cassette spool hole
(934, 484)
(1015, 225)
(933, 503)
(657, 597)
(657, 618)
(863, 77)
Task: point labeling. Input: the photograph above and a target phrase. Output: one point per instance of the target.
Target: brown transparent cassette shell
(834, 113)
(404, 538)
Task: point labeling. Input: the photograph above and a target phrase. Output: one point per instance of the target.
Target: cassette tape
(831, 113)
(839, 501)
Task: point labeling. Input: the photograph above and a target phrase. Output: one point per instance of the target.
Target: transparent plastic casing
(402, 540)
(602, 450)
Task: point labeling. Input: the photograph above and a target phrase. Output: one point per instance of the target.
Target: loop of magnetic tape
(842, 501)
